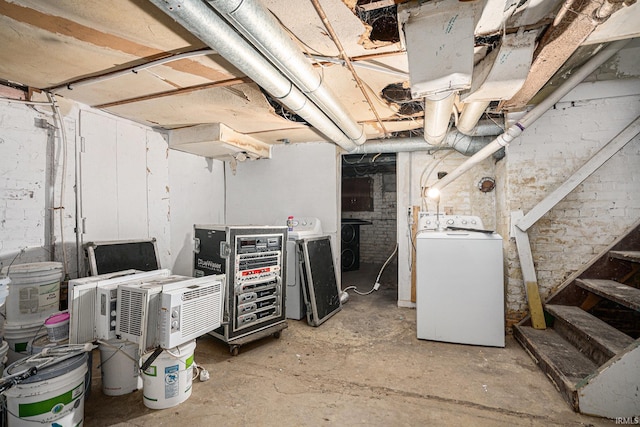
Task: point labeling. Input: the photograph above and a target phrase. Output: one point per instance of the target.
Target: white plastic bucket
(4, 288)
(58, 326)
(167, 382)
(41, 342)
(34, 293)
(54, 395)
(4, 349)
(18, 335)
(119, 365)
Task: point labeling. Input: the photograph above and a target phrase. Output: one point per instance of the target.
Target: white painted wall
(419, 170)
(197, 197)
(299, 180)
(132, 186)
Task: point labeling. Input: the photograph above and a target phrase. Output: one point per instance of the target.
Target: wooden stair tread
(609, 339)
(552, 351)
(622, 294)
(633, 256)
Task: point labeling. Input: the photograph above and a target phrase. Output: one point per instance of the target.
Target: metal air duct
(259, 26)
(529, 118)
(437, 113)
(203, 22)
(454, 140)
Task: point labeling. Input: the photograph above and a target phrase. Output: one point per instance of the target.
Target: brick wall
(23, 184)
(591, 216)
(378, 240)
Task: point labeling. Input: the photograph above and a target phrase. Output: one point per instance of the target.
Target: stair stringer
(613, 390)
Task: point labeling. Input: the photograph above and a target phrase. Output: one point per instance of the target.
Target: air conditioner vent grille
(197, 314)
(201, 292)
(131, 312)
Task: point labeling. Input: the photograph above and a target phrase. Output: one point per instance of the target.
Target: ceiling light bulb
(433, 193)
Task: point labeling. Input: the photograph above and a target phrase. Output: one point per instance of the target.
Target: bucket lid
(32, 267)
(22, 327)
(48, 372)
(57, 318)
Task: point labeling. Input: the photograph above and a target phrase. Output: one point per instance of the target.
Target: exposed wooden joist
(223, 83)
(556, 46)
(379, 4)
(64, 27)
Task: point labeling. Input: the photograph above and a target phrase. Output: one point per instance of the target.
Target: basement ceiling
(104, 54)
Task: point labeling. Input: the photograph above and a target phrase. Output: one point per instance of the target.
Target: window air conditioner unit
(191, 310)
(84, 310)
(137, 311)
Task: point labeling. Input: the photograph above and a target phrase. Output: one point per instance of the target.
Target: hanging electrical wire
(376, 285)
(63, 179)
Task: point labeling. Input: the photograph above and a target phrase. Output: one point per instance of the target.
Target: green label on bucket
(189, 362)
(54, 405)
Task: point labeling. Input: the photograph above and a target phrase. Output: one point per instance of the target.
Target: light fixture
(433, 193)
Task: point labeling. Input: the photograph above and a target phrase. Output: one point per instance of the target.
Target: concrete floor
(364, 366)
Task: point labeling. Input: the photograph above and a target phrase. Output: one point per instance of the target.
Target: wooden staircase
(591, 347)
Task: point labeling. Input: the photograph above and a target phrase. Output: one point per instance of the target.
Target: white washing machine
(459, 281)
(303, 227)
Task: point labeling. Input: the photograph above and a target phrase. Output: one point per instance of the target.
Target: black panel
(207, 259)
(320, 287)
(118, 256)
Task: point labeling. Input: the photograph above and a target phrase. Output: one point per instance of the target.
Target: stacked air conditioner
(136, 317)
(152, 309)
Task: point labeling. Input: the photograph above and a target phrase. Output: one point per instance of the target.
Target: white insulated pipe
(203, 22)
(470, 115)
(516, 129)
(437, 113)
(463, 144)
(261, 28)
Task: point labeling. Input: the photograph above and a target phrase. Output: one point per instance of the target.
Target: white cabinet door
(113, 179)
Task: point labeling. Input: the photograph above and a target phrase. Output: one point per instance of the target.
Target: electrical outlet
(410, 211)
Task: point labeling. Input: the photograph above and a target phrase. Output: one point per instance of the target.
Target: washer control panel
(432, 221)
(302, 227)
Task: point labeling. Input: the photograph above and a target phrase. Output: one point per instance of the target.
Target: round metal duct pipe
(454, 140)
(529, 118)
(437, 112)
(471, 113)
(259, 26)
(203, 22)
